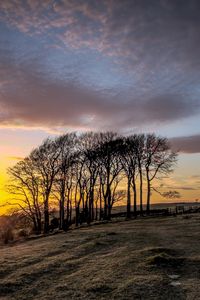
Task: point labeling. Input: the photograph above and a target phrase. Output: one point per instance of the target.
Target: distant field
(187, 205)
(155, 258)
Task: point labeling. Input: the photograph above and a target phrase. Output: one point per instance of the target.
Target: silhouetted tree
(24, 187)
(110, 167)
(90, 142)
(139, 148)
(130, 166)
(46, 164)
(84, 172)
(66, 145)
(158, 159)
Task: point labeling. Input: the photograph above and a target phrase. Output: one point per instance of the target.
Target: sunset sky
(129, 66)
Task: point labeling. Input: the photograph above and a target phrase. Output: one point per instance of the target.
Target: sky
(129, 66)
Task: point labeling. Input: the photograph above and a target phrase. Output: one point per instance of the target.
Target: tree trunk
(92, 210)
(61, 213)
(68, 210)
(96, 211)
(135, 198)
(70, 213)
(128, 206)
(141, 186)
(91, 205)
(100, 205)
(105, 213)
(89, 212)
(39, 226)
(46, 214)
(86, 208)
(109, 204)
(62, 200)
(83, 202)
(35, 227)
(77, 215)
(148, 192)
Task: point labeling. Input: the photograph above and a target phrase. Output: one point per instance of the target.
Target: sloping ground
(144, 259)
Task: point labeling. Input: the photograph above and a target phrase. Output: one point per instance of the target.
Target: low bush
(7, 235)
(22, 233)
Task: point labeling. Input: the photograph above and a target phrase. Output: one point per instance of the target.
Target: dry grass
(143, 259)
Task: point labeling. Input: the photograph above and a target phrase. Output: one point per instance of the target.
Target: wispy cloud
(121, 27)
(184, 188)
(186, 144)
(16, 158)
(195, 176)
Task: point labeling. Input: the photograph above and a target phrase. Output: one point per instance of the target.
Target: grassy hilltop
(143, 259)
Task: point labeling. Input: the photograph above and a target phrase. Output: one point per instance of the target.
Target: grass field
(154, 258)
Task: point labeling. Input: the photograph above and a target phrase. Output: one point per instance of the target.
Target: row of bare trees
(82, 176)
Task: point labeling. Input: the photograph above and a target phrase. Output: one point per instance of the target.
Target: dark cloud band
(186, 144)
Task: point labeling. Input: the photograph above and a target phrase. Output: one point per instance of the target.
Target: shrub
(22, 233)
(54, 223)
(7, 235)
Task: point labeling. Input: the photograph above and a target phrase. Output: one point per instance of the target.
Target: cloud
(41, 102)
(115, 27)
(186, 144)
(169, 107)
(152, 45)
(185, 188)
(16, 158)
(34, 100)
(195, 176)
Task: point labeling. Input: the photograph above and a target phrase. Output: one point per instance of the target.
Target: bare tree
(130, 163)
(90, 142)
(46, 163)
(86, 171)
(139, 148)
(81, 191)
(66, 145)
(117, 194)
(25, 190)
(110, 167)
(159, 159)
